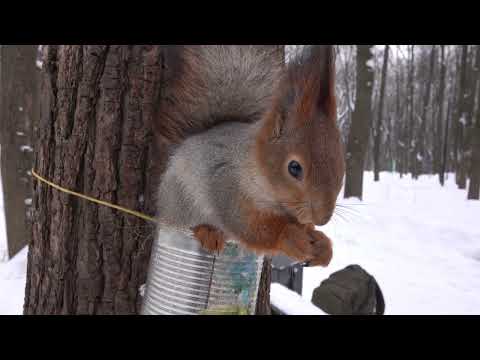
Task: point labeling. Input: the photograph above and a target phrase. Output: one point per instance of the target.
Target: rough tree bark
(378, 129)
(361, 123)
(95, 137)
(18, 113)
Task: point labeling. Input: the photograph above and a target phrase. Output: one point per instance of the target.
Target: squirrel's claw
(305, 244)
(210, 237)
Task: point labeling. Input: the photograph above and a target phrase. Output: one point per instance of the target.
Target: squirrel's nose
(321, 215)
(322, 219)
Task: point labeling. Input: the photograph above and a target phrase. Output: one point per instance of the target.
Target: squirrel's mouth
(313, 215)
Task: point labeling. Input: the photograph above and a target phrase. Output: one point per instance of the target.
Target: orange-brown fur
(211, 238)
(309, 133)
(266, 232)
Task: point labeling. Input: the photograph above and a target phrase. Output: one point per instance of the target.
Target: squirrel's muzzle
(322, 219)
(318, 214)
(322, 210)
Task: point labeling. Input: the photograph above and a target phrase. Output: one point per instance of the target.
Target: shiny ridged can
(184, 279)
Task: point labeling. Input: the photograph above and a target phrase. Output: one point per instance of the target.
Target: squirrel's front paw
(210, 237)
(304, 243)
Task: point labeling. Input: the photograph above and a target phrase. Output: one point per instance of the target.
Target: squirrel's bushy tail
(211, 84)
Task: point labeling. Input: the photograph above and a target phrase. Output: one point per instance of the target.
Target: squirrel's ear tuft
(311, 76)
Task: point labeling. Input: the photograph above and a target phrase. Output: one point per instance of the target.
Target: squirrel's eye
(295, 169)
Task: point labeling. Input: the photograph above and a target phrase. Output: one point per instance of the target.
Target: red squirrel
(257, 154)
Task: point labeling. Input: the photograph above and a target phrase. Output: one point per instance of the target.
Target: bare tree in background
(438, 120)
(474, 185)
(378, 128)
(361, 123)
(442, 160)
(18, 113)
(419, 150)
(460, 120)
(411, 105)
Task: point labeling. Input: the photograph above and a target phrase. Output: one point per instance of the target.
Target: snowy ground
(12, 284)
(12, 273)
(421, 242)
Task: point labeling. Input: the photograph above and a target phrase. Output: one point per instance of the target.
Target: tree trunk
(18, 113)
(419, 153)
(399, 124)
(460, 122)
(378, 129)
(467, 127)
(411, 103)
(263, 299)
(474, 185)
(361, 123)
(437, 160)
(95, 137)
(445, 144)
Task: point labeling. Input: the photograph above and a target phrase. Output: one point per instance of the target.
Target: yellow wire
(104, 203)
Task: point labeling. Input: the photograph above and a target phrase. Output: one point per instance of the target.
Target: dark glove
(351, 291)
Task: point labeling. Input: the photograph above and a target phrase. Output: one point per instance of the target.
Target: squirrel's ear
(311, 76)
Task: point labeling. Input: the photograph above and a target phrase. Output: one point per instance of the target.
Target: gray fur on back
(226, 177)
(212, 84)
(239, 80)
(217, 95)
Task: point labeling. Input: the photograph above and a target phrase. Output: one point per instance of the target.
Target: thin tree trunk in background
(18, 113)
(411, 102)
(474, 184)
(378, 129)
(361, 123)
(469, 126)
(460, 121)
(400, 124)
(347, 87)
(419, 152)
(446, 143)
(437, 160)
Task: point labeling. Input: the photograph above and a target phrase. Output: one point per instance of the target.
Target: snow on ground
(12, 284)
(3, 236)
(420, 241)
(12, 273)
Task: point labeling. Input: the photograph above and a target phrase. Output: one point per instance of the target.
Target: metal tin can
(184, 279)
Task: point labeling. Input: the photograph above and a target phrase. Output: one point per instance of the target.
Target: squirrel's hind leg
(210, 237)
